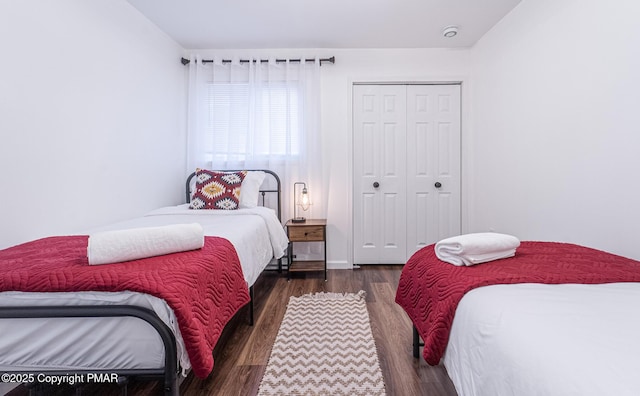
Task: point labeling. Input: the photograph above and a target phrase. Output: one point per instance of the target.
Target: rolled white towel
(136, 243)
(471, 249)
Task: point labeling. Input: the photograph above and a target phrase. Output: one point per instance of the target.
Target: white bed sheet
(257, 236)
(534, 339)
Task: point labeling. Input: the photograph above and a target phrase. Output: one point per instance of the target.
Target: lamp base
(298, 220)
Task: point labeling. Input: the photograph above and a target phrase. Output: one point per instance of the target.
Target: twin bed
(555, 319)
(155, 317)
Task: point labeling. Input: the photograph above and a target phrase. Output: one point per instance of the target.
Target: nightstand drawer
(306, 233)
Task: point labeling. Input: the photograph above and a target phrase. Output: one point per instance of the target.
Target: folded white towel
(471, 249)
(136, 243)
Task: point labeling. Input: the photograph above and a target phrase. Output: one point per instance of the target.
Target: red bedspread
(430, 290)
(205, 287)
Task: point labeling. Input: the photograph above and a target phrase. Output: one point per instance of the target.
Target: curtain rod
(330, 60)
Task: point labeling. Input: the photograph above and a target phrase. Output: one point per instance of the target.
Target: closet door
(406, 164)
(433, 164)
(380, 191)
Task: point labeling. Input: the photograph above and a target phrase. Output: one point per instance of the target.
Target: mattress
(130, 343)
(536, 339)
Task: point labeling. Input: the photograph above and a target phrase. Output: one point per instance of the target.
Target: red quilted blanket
(205, 287)
(430, 290)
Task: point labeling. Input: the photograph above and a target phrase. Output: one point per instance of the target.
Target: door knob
(376, 184)
(438, 184)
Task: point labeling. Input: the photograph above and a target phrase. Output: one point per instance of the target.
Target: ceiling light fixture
(450, 31)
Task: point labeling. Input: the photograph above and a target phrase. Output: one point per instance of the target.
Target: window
(253, 123)
(257, 115)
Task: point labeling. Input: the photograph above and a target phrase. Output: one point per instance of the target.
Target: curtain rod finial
(185, 61)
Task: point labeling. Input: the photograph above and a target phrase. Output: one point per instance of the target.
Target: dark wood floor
(241, 361)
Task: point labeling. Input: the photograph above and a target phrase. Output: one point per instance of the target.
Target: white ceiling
(237, 24)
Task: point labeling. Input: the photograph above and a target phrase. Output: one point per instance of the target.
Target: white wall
(91, 116)
(357, 65)
(556, 95)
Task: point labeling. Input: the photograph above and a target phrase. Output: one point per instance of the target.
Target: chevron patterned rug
(324, 347)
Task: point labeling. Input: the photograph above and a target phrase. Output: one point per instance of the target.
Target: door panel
(379, 121)
(433, 156)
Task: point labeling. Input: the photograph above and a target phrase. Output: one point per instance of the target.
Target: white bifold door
(406, 164)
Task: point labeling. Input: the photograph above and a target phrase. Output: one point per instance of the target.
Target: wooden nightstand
(312, 230)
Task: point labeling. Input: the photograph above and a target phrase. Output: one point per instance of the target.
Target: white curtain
(259, 115)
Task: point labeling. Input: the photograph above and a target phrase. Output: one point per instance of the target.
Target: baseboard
(338, 265)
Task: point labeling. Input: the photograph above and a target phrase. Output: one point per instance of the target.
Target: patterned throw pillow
(217, 190)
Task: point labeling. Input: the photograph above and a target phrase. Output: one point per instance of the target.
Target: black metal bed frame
(277, 189)
(170, 370)
(417, 342)
(169, 373)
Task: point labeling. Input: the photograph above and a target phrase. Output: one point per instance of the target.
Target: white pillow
(250, 189)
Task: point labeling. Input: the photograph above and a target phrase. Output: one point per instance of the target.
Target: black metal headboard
(263, 191)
